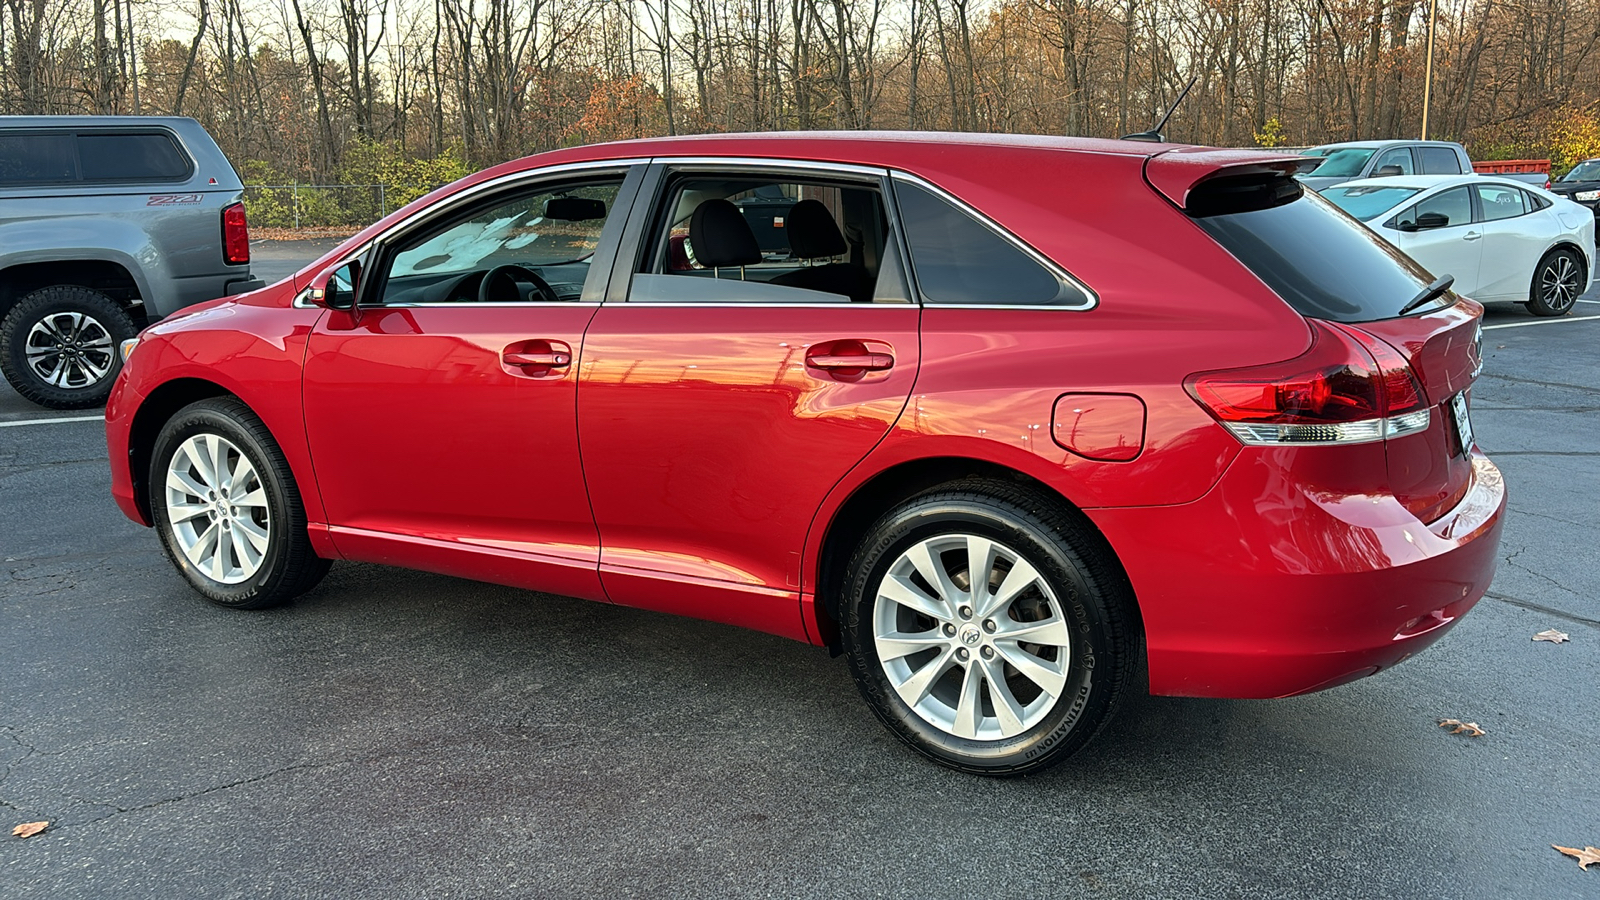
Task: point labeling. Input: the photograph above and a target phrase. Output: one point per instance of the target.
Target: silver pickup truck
(107, 224)
(1350, 160)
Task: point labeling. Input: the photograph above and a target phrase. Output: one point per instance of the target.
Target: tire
(240, 541)
(59, 346)
(1557, 282)
(1075, 601)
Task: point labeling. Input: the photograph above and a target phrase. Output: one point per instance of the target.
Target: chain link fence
(348, 206)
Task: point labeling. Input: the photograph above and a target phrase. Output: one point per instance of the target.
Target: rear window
(1341, 162)
(1368, 203)
(36, 158)
(1322, 262)
(131, 157)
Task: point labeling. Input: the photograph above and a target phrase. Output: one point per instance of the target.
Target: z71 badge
(169, 199)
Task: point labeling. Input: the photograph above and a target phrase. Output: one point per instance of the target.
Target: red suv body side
(727, 493)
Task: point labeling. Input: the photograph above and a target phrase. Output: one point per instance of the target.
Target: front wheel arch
(160, 406)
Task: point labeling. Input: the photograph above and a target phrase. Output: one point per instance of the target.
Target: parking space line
(1589, 301)
(49, 421)
(1541, 322)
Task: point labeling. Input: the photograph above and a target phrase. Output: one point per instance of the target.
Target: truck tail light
(235, 236)
(1349, 388)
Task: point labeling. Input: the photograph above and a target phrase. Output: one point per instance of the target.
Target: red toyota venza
(1012, 423)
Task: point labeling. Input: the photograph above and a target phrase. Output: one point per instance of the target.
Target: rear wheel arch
(885, 490)
(109, 277)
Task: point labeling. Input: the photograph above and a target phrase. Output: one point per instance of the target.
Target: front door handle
(850, 359)
(1471, 236)
(551, 360)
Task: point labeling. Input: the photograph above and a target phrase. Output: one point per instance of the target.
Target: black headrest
(574, 209)
(721, 236)
(813, 234)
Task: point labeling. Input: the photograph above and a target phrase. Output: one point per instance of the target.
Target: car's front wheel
(986, 629)
(225, 505)
(1557, 282)
(59, 346)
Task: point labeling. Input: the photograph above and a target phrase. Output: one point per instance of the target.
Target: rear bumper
(1268, 588)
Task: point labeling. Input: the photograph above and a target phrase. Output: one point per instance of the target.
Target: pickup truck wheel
(59, 346)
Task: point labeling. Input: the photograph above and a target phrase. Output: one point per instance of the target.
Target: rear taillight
(1349, 388)
(235, 236)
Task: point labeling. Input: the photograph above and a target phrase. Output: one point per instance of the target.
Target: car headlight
(1586, 195)
(126, 348)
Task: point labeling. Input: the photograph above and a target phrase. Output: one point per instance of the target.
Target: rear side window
(1439, 161)
(131, 157)
(1322, 262)
(961, 261)
(36, 158)
(1501, 202)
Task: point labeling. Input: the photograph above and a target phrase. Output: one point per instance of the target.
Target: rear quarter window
(1322, 262)
(1439, 161)
(131, 157)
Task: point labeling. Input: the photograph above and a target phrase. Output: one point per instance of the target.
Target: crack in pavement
(1581, 453)
(1512, 561)
(1539, 607)
(1549, 384)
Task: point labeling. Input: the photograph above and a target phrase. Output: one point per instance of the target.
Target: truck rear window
(1321, 261)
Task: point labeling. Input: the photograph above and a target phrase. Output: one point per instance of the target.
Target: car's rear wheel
(1557, 282)
(59, 346)
(987, 629)
(225, 504)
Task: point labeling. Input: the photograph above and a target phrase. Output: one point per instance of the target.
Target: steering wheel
(512, 273)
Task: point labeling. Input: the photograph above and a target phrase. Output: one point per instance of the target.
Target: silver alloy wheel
(70, 350)
(983, 658)
(1558, 283)
(217, 508)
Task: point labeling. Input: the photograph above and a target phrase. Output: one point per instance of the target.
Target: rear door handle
(850, 359)
(551, 360)
(1471, 236)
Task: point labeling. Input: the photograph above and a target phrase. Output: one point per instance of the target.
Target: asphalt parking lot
(396, 734)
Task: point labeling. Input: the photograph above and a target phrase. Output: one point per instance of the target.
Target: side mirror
(336, 288)
(1387, 170)
(1432, 220)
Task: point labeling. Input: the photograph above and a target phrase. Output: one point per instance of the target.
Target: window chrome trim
(797, 166)
(999, 230)
(473, 304)
(736, 304)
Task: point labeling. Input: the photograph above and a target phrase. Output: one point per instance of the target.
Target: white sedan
(1501, 240)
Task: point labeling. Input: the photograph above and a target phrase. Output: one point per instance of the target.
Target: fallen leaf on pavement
(1586, 857)
(1552, 635)
(1462, 727)
(29, 830)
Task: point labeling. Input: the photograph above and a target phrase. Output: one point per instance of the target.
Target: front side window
(532, 247)
(959, 260)
(1439, 161)
(1501, 202)
(36, 158)
(767, 238)
(1445, 209)
(1398, 158)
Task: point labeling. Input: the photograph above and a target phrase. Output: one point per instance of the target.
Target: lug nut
(989, 626)
(949, 630)
(963, 655)
(966, 612)
(988, 652)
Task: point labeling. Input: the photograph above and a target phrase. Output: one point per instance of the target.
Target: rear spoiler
(1175, 173)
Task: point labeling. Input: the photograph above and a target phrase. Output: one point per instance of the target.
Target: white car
(1500, 240)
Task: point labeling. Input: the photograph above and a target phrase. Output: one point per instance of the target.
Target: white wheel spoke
(257, 497)
(898, 644)
(913, 689)
(180, 481)
(1051, 631)
(969, 708)
(254, 533)
(1006, 708)
(183, 512)
(241, 473)
(197, 549)
(1047, 675)
(932, 571)
(1016, 581)
(981, 554)
(903, 592)
(243, 553)
(217, 453)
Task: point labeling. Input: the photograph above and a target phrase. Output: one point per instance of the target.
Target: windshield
(1368, 203)
(1584, 171)
(1341, 162)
